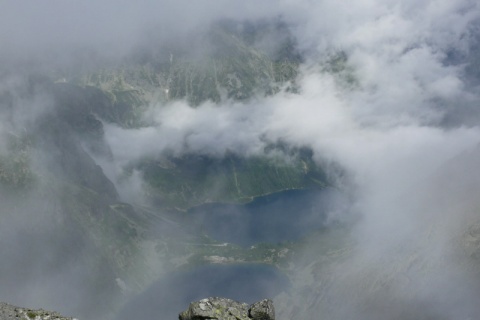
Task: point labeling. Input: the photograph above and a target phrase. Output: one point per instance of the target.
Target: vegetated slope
(193, 179)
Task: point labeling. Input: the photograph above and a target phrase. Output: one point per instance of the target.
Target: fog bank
(399, 115)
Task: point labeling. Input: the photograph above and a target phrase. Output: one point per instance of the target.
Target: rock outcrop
(227, 309)
(262, 310)
(9, 312)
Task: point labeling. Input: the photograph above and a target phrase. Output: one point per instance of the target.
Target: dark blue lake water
(168, 297)
(283, 216)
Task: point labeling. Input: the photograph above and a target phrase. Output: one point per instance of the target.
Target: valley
(320, 155)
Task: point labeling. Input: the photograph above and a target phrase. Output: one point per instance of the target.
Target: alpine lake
(271, 220)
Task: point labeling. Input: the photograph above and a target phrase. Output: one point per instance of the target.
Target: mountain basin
(166, 298)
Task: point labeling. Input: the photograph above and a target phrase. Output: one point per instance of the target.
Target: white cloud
(386, 132)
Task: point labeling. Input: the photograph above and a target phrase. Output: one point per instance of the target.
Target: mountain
(92, 222)
(54, 148)
(222, 62)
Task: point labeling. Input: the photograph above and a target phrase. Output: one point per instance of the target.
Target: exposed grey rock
(262, 310)
(227, 309)
(9, 312)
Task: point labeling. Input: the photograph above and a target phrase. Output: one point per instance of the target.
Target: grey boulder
(227, 309)
(262, 310)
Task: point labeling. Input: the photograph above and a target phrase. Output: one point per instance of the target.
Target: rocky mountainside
(226, 61)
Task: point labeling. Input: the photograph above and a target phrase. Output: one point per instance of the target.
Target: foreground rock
(227, 309)
(9, 312)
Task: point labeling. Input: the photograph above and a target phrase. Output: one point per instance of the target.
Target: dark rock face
(227, 309)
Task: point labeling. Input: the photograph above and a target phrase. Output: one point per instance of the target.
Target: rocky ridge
(227, 309)
(10, 312)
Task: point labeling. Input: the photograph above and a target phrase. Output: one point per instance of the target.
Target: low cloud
(413, 175)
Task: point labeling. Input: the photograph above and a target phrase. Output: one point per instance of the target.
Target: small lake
(166, 298)
(284, 216)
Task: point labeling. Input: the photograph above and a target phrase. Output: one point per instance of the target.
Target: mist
(400, 118)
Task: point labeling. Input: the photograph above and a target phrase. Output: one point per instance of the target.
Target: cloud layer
(410, 163)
